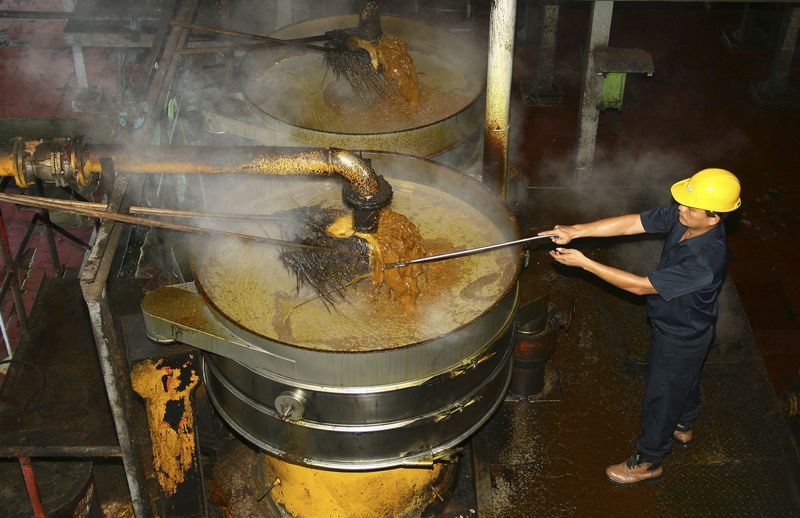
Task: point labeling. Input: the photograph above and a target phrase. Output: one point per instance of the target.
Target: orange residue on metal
(171, 167)
(397, 239)
(173, 449)
(398, 69)
(308, 492)
(6, 165)
(92, 165)
(322, 163)
(354, 42)
(278, 164)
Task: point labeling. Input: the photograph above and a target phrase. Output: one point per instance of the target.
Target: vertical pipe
(498, 94)
(369, 20)
(599, 32)
(11, 267)
(30, 484)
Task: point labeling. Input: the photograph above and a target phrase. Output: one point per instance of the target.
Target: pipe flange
(18, 163)
(367, 209)
(78, 162)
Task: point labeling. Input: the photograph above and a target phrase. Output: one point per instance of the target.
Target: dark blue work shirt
(688, 277)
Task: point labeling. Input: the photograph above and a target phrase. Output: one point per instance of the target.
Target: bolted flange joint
(367, 209)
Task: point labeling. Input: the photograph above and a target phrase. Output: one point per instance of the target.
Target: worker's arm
(630, 282)
(626, 225)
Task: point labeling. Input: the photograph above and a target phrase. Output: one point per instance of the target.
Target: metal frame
(97, 267)
(24, 454)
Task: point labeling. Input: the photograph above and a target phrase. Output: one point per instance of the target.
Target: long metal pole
(498, 94)
(462, 253)
(59, 451)
(83, 210)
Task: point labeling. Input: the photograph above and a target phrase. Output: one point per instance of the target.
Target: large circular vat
(300, 102)
(360, 385)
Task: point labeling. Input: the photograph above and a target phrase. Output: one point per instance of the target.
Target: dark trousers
(672, 390)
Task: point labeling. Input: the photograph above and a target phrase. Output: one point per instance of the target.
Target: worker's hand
(569, 257)
(563, 234)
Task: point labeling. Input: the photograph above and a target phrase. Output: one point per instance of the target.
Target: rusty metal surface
(549, 454)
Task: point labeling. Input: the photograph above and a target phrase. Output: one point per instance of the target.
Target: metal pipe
(462, 253)
(101, 213)
(59, 451)
(369, 20)
(62, 160)
(498, 94)
(71, 160)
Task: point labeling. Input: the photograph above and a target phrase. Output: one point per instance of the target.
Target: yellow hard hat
(710, 189)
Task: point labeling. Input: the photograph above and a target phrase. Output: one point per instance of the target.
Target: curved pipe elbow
(357, 171)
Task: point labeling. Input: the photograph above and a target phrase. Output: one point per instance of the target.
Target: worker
(681, 305)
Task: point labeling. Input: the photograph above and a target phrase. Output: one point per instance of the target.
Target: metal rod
(75, 239)
(137, 220)
(30, 485)
(177, 213)
(221, 48)
(462, 253)
(250, 36)
(67, 205)
(59, 451)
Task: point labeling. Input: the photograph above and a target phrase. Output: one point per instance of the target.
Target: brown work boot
(634, 471)
(682, 437)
